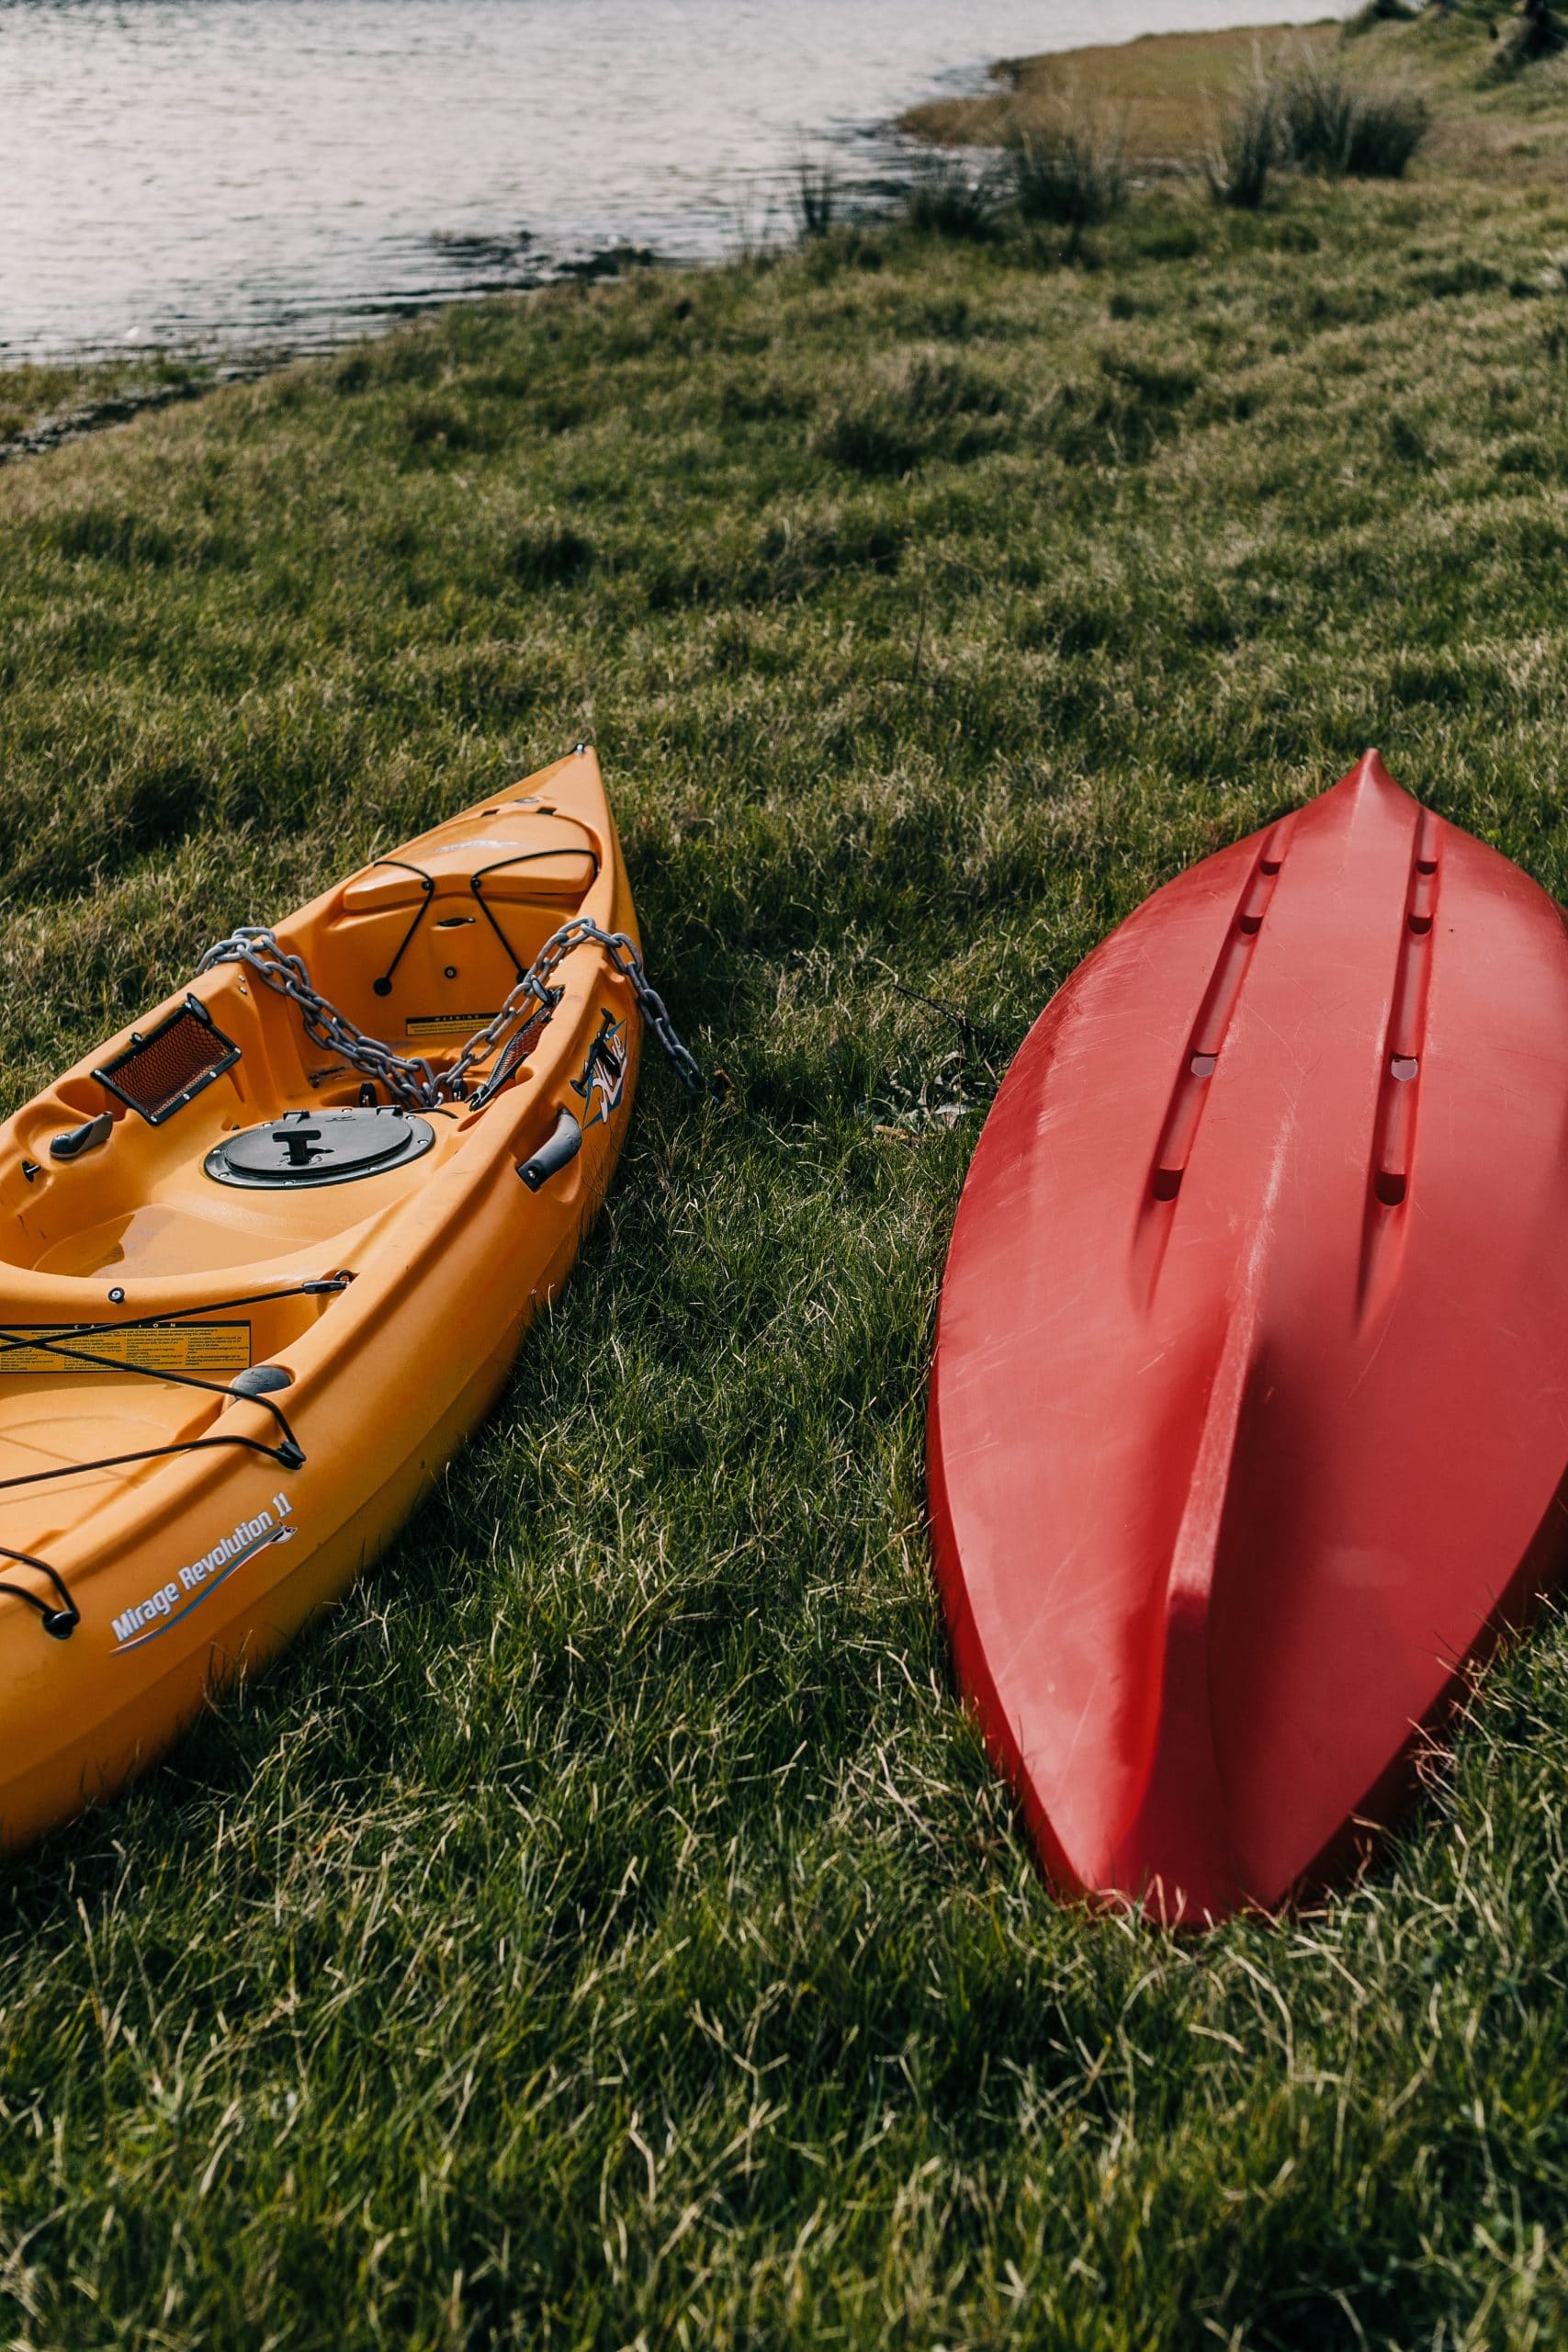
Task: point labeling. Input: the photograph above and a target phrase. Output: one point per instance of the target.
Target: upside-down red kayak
(1249, 1410)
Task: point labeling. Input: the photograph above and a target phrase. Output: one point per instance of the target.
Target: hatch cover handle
(301, 1144)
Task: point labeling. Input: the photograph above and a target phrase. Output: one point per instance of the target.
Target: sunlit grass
(606, 1930)
(1165, 87)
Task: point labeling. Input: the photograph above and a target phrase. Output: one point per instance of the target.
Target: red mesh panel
(173, 1062)
(528, 1036)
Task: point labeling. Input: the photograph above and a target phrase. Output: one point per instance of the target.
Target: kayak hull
(1249, 1405)
(395, 1309)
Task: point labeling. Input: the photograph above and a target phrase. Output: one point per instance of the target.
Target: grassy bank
(40, 407)
(1167, 92)
(606, 1930)
(1162, 89)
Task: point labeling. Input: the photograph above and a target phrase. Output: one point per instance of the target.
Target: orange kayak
(268, 1260)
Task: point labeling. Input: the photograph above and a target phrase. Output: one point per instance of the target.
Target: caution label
(205, 1350)
(447, 1024)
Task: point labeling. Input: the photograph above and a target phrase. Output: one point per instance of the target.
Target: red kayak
(1249, 1410)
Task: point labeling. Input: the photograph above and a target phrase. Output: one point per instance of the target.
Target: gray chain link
(409, 1078)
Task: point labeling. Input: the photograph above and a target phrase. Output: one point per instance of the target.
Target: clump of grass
(815, 198)
(1537, 31)
(549, 554)
(1406, 443)
(946, 198)
(111, 534)
(931, 387)
(864, 438)
(1121, 413)
(1246, 145)
(1317, 103)
(1554, 283)
(1387, 128)
(921, 403)
(1069, 169)
(437, 426)
(1332, 124)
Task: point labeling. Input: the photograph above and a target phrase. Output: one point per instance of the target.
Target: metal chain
(410, 1077)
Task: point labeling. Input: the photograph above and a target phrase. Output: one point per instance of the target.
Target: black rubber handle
(87, 1137)
(551, 1158)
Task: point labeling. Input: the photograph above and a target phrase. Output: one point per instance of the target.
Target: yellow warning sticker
(447, 1024)
(205, 1349)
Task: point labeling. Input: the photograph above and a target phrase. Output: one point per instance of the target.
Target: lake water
(212, 174)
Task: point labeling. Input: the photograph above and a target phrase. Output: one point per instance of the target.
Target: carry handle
(87, 1137)
(552, 1157)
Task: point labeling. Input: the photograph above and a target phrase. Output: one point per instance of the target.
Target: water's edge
(215, 178)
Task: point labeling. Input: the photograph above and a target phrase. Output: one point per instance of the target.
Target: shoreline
(118, 403)
(102, 390)
(867, 147)
(1160, 90)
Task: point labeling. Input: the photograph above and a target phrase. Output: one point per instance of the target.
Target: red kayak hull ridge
(1249, 1406)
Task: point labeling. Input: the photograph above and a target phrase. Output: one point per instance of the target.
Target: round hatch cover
(320, 1147)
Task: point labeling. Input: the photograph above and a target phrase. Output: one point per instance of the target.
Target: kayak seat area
(52, 1425)
(62, 1415)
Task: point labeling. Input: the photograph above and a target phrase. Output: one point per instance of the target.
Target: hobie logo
(148, 1618)
(604, 1071)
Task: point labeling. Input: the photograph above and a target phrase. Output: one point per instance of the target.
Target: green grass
(40, 406)
(605, 1930)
